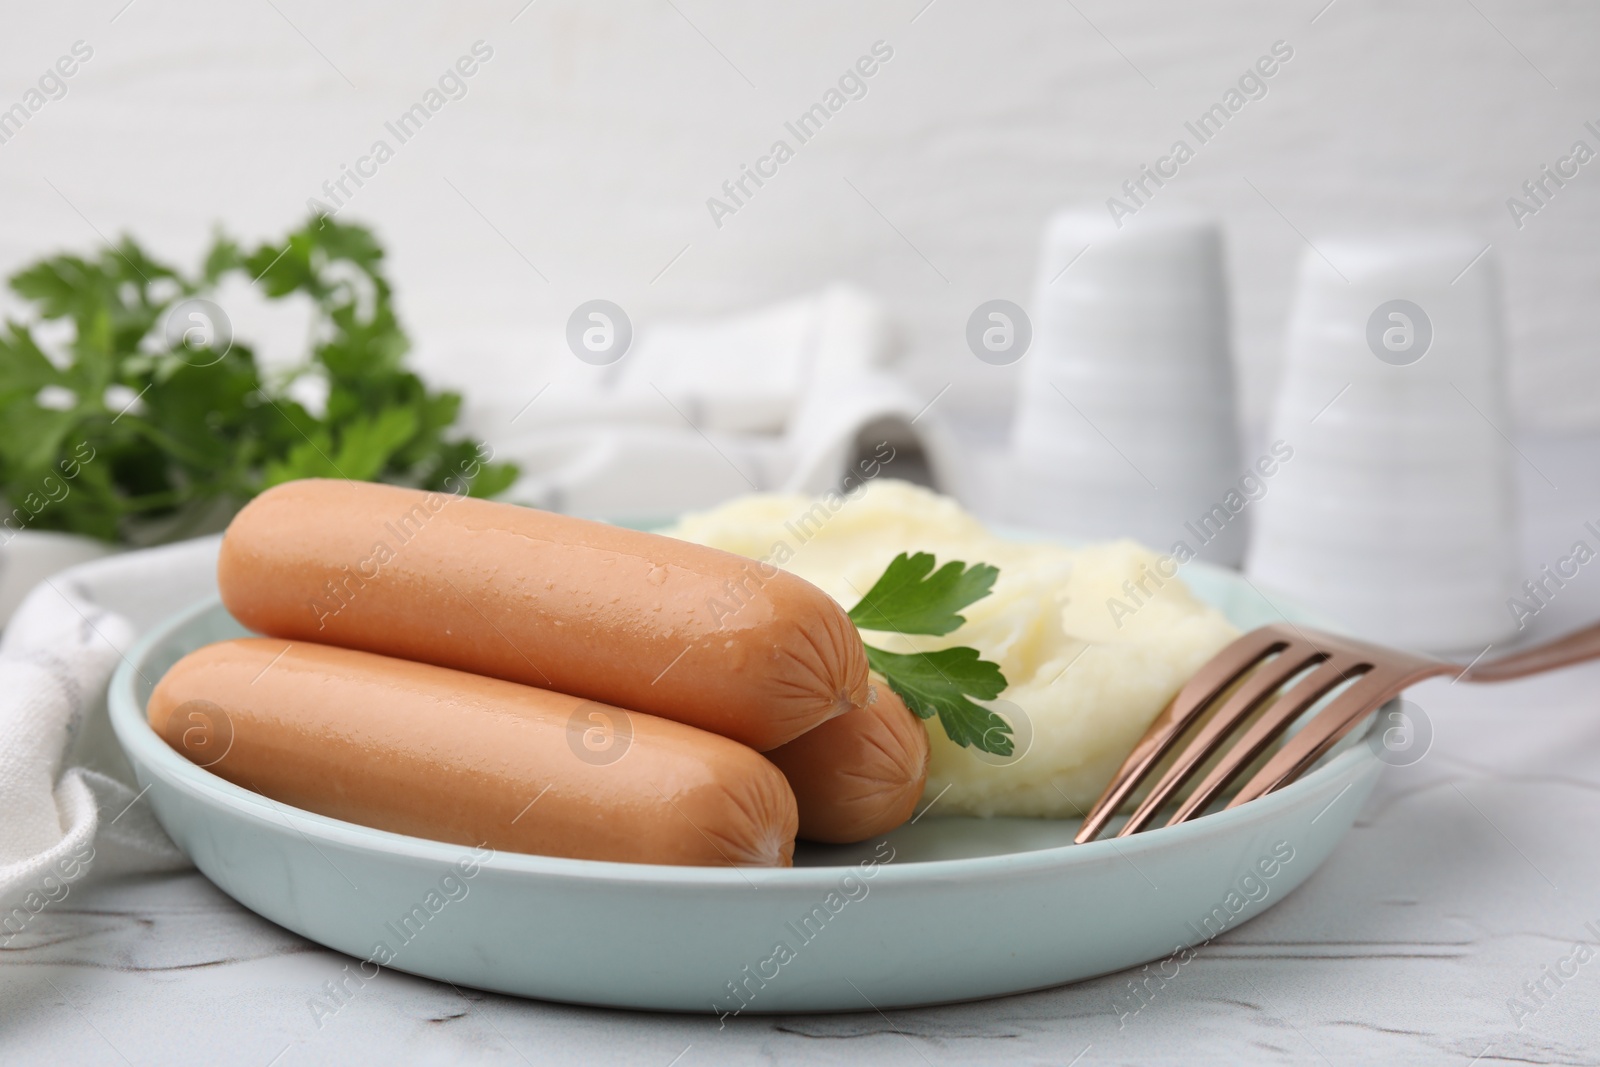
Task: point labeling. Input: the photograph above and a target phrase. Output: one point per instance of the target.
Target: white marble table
(1469, 874)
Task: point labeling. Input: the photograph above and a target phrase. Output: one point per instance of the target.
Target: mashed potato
(1084, 681)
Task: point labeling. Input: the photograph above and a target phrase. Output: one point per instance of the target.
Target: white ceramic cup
(1396, 514)
(1125, 421)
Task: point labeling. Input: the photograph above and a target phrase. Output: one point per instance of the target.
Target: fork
(1240, 680)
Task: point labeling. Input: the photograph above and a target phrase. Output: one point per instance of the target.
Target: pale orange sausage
(455, 757)
(858, 775)
(633, 619)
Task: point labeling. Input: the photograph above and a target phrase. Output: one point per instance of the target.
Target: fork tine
(1394, 673)
(1221, 671)
(1266, 680)
(1288, 707)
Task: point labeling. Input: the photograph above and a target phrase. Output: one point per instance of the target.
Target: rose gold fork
(1246, 675)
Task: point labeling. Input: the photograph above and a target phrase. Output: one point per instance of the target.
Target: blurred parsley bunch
(131, 433)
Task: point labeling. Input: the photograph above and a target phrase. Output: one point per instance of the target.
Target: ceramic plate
(945, 909)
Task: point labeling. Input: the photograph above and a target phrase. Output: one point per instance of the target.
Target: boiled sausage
(455, 757)
(858, 775)
(632, 619)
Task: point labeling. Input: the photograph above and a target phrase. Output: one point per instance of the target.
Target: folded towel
(739, 373)
(69, 799)
(697, 412)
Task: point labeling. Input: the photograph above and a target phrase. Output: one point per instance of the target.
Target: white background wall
(593, 137)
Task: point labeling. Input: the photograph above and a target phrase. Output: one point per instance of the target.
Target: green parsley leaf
(940, 683)
(207, 430)
(912, 598)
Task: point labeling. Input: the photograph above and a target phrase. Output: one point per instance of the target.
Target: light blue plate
(946, 909)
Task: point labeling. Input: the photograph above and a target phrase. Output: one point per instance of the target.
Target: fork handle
(1562, 652)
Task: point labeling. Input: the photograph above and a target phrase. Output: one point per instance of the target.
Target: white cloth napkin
(67, 798)
(698, 411)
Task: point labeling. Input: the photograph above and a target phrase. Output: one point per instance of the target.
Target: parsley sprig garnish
(911, 597)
